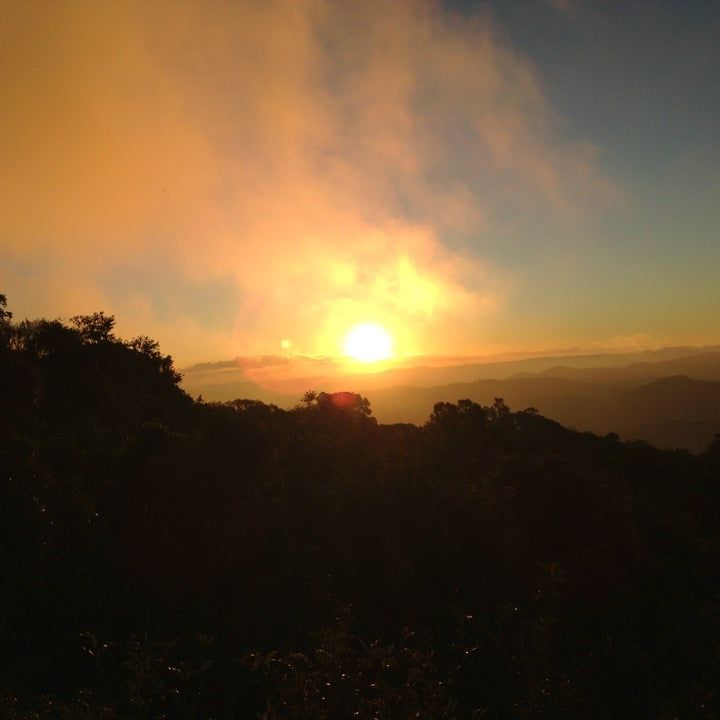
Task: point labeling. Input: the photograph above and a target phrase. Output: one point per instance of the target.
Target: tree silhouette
(5, 315)
(346, 401)
(164, 557)
(95, 328)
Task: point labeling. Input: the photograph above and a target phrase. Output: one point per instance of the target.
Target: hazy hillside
(554, 397)
(282, 378)
(644, 400)
(703, 366)
(671, 412)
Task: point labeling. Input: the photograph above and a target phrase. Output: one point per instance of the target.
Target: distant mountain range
(703, 366)
(669, 397)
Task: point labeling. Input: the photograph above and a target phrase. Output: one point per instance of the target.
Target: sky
(255, 178)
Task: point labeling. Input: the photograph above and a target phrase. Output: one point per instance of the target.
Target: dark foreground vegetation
(168, 558)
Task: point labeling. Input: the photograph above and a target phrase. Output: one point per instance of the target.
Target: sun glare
(368, 343)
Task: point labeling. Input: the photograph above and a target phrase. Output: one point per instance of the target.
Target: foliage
(164, 558)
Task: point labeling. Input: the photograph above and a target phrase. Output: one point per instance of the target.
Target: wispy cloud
(333, 162)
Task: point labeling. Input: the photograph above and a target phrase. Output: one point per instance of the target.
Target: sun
(368, 343)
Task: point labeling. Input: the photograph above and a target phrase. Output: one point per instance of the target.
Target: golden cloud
(318, 155)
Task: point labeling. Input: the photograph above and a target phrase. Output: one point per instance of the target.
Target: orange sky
(227, 176)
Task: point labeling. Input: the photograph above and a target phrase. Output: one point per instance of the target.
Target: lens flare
(368, 343)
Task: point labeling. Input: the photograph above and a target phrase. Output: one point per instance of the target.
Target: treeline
(163, 557)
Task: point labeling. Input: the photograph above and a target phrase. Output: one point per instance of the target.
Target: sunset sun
(368, 343)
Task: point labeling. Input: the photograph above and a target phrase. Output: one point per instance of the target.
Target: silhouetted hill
(583, 396)
(168, 558)
(703, 366)
(288, 376)
(671, 412)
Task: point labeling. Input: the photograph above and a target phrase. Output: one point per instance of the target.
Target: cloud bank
(232, 175)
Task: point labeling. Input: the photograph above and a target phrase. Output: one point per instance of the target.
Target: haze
(256, 178)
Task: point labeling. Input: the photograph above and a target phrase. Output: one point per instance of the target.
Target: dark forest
(166, 557)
